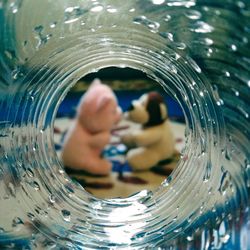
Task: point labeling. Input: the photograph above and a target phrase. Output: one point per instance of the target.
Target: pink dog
(97, 113)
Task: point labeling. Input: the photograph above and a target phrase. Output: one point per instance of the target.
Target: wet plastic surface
(199, 53)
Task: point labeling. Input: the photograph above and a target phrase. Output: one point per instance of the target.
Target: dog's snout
(131, 107)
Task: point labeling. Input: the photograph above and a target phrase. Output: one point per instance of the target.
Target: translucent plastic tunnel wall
(198, 51)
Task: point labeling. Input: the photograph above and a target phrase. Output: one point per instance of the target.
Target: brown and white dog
(154, 142)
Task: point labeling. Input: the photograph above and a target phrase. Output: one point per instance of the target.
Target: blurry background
(128, 84)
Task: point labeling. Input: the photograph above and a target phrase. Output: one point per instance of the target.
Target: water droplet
(223, 234)
(10, 54)
(193, 14)
(202, 27)
(15, 6)
(53, 25)
(217, 12)
(158, 2)
(207, 174)
(209, 52)
(167, 18)
(153, 26)
(248, 182)
(234, 47)
(35, 185)
(241, 4)
(208, 41)
(227, 155)
(219, 102)
(227, 74)
(190, 238)
(244, 39)
(180, 46)
(202, 208)
(205, 8)
(173, 69)
(66, 215)
(243, 112)
(17, 221)
(96, 8)
(52, 198)
(165, 183)
(167, 35)
(61, 171)
(69, 188)
(72, 14)
(42, 39)
(216, 96)
(213, 209)
(193, 64)
(225, 182)
(16, 74)
(12, 189)
(111, 9)
(247, 165)
(38, 29)
(31, 216)
(186, 4)
(48, 244)
(178, 230)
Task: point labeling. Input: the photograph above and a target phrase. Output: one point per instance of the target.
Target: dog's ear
(164, 112)
(95, 82)
(103, 102)
(156, 109)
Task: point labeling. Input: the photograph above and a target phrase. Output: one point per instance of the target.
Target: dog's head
(148, 110)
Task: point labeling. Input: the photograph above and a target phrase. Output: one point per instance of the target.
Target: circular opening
(143, 147)
(169, 206)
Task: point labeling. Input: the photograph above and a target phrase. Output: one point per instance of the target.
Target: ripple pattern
(198, 51)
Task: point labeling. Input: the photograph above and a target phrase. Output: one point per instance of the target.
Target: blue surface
(67, 107)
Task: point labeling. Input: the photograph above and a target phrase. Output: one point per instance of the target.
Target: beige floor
(121, 189)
